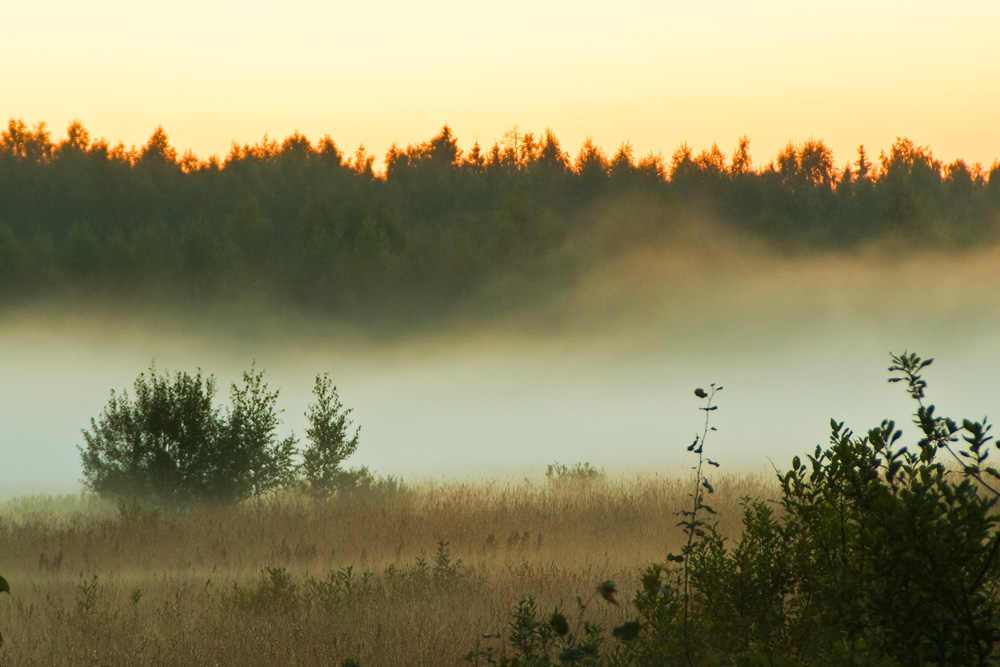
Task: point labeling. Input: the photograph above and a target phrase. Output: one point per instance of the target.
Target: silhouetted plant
(881, 556)
(694, 526)
(250, 456)
(537, 641)
(909, 547)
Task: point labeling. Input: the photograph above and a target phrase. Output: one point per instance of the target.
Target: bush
(163, 445)
(881, 555)
(579, 475)
(4, 588)
(170, 444)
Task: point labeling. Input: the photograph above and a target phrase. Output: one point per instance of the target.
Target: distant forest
(300, 222)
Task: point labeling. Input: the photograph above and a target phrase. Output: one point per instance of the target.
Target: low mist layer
(602, 372)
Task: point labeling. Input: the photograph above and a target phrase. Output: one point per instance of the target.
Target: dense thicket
(876, 554)
(299, 221)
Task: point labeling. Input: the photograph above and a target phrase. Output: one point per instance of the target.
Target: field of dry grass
(412, 577)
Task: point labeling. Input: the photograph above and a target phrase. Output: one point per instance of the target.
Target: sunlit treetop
(810, 161)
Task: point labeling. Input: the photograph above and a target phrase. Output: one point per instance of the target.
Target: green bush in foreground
(880, 555)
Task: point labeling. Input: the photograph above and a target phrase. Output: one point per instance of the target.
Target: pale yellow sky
(653, 73)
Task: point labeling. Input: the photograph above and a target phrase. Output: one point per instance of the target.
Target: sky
(655, 74)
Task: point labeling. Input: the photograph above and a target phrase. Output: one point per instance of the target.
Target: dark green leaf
(558, 623)
(572, 654)
(628, 631)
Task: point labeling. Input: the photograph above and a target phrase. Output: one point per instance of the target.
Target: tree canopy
(299, 221)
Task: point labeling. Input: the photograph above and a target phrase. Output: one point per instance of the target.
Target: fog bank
(603, 374)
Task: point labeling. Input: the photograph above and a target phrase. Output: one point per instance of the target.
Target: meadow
(483, 311)
(401, 575)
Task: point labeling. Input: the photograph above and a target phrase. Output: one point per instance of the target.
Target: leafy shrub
(171, 444)
(250, 458)
(560, 475)
(164, 444)
(275, 592)
(4, 588)
(362, 484)
(278, 591)
(537, 641)
(340, 588)
(881, 555)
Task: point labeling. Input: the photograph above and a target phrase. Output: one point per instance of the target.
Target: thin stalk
(698, 447)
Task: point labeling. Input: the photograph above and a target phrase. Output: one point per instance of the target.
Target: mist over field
(601, 372)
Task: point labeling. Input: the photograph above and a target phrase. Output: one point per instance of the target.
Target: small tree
(154, 447)
(170, 444)
(254, 459)
(329, 437)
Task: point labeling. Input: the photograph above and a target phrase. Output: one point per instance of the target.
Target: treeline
(302, 222)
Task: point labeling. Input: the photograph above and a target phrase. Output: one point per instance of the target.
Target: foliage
(698, 530)
(880, 555)
(330, 442)
(294, 222)
(4, 588)
(278, 591)
(171, 444)
(254, 459)
(275, 593)
(186, 564)
(539, 641)
(560, 475)
(164, 444)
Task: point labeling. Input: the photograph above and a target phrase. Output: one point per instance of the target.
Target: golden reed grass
(268, 584)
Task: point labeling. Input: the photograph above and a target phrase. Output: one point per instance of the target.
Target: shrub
(560, 475)
(4, 588)
(539, 641)
(164, 444)
(170, 444)
(275, 593)
(881, 555)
